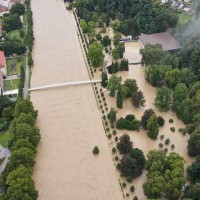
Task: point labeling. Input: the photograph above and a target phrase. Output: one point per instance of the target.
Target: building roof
(1, 80)
(2, 59)
(165, 39)
(3, 9)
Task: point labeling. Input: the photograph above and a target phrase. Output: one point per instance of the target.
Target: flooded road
(69, 119)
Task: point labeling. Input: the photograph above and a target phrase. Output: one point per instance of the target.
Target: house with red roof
(1, 84)
(3, 64)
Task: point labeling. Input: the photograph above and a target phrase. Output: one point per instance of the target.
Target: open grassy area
(184, 17)
(4, 138)
(11, 84)
(15, 34)
(14, 64)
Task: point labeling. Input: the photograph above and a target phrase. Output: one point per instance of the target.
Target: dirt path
(69, 120)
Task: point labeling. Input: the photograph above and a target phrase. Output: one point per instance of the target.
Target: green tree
(115, 25)
(112, 115)
(154, 186)
(95, 54)
(138, 99)
(194, 143)
(106, 41)
(20, 185)
(119, 100)
(152, 127)
(124, 145)
(193, 171)
(104, 79)
(146, 115)
(17, 8)
(139, 156)
(116, 38)
(115, 53)
(128, 167)
(113, 84)
(180, 92)
(192, 192)
(11, 22)
(131, 86)
(163, 98)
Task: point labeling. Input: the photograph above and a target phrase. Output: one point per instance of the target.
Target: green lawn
(11, 84)
(14, 64)
(4, 138)
(16, 34)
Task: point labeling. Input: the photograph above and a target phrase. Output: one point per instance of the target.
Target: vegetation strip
(16, 180)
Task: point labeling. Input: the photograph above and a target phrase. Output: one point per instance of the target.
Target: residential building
(3, 64)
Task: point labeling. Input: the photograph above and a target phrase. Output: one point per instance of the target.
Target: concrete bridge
(12, 92)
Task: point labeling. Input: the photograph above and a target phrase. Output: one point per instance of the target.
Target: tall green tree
(138, 99)
(124, 145)
(95, 54)
(163, 98)
(119, 100)
(113, 84)
(152, 127)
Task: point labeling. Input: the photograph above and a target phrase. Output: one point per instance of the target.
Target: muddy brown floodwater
(140, 139)
(69, 119)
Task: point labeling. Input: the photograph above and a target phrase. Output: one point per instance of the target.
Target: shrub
(166, 150)
(95, 150)
(114, 132)
(116, 139)
(167, 141)
(162, 137)
(127, 194)
(171, 120)
(107, 129)
(123, 184)
(135, 198)
(112, 115)
(114, 150)
(173, 129)
(172, 146)
(160, 121)
(112, 125)
(106, 123)
(109, 136)
(132, 188)
(116, 158)
(121, 123)
(130, 117)
(129, 179)
(104, 117)
(161, 145)
(101, 106)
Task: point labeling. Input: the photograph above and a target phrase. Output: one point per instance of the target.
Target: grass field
(11, 84)
(14, 64)
(16, 34)
(4, 138)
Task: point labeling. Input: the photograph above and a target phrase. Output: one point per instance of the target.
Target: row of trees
(16, 179)
(165, 176)
(116, 66)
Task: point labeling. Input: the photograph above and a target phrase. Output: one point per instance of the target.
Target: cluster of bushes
(126, 90)
(129, 123)
(116, 66)
(6, 112)
(133, 160)
(151, 123)
(165, 176)
(16, 179)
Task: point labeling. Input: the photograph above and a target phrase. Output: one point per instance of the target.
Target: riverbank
(69, 119)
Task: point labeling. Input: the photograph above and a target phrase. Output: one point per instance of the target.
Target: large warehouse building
(165, 39)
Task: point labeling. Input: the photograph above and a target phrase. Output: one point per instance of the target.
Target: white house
(5, 3)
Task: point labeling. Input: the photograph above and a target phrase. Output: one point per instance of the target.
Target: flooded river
(69, 119)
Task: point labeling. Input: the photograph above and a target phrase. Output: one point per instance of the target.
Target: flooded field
(69, 119)
(140, 139)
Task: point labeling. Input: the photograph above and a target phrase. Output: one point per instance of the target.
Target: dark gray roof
(165, 39)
